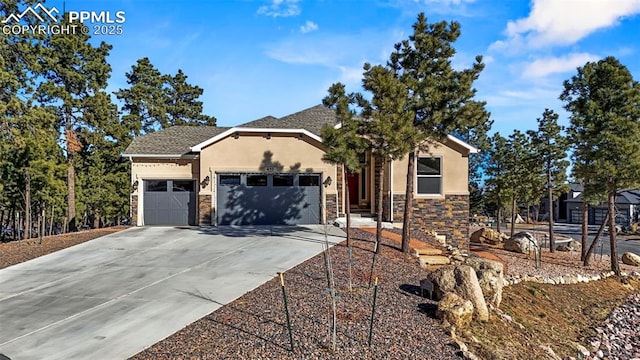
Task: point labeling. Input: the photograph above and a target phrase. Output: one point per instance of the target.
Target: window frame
(439, 176)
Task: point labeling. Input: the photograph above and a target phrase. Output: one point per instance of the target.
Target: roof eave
(222, 135)
(162, 156)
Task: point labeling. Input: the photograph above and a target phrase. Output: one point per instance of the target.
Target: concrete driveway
(114, 296)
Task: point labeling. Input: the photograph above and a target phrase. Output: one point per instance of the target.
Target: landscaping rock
(564, 248)
(455, 310)
(522, 242)
(462, 280)
(487, 235)
(630, 258)
(443, 281)
(574, 245)
(434, 260)
(490, 277)
(468, 287)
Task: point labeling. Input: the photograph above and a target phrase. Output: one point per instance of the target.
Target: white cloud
(564, 22)
(553, 65)
(309, 26)
(280, 8)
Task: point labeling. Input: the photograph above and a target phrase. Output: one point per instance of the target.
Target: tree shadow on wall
(263, 205)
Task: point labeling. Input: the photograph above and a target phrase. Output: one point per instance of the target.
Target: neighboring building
(627, 205)
(270, 171)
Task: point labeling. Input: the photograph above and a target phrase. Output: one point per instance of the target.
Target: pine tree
(603, 101)
(439, 96)
(73, 70)
(551, 150)
(155, 101)
(345, 143)
(389, 126)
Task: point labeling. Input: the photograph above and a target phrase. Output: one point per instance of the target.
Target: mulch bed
(254, 325)
(15, 252)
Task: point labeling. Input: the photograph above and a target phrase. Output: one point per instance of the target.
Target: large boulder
(487, 235)
(463, 281)
(455, 310)
(490, 277)
(443, 281)
(468, 287)
(630, 258)
(522, 242)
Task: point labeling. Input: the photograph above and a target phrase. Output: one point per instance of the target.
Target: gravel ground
(254, 326)
(15, 252)
(553, 264)
(619, 335)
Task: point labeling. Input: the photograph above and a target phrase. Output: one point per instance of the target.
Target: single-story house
(627, 207)
(270, 171)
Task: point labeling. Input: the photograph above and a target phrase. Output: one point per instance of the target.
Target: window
(309, 180)
(156, 185)
(229, 180)
(256, 180)
(282, 180)
(183, 186)
(429, 175)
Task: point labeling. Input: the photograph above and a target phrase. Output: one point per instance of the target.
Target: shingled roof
(176, 140)
(312, 119)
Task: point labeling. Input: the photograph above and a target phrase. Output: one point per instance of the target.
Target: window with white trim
(429, 176)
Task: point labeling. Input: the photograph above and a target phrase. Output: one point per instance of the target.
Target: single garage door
(268, 199)
(169, 202)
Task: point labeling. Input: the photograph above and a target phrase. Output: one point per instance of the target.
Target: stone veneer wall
(134, 210)
(204, 210)
(331, 206)
(448, 216)
(339, 180)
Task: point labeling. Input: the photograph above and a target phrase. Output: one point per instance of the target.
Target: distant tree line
(603, 140)
(62, 133)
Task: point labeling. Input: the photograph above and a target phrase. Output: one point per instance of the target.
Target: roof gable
(312, 119)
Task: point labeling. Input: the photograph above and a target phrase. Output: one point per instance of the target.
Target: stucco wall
(455, 170)
(254, 152)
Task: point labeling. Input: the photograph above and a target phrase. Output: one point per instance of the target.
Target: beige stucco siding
(254, 152)
(455, 171)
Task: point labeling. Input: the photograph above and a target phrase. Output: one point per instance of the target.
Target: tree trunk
(615, 267)
(513, 216)
(71, 197)
(347, 201)
(53, 207)
(43, 224)
(380, 207)
(27, 206)
(585, 228)
(2, 225)
(587, 256)
(528, 213)
(96, 220)
(498, 216)
(14, 223)
(552, 240)
(408, 203)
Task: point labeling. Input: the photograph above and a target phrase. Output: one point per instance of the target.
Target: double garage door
(169, 202)
(268, 199)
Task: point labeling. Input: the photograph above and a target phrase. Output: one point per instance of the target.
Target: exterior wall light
(327, 181)
(205, 182)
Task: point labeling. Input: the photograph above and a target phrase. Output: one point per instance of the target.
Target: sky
(276, 57)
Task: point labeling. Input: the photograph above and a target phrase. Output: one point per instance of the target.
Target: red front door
(353, 179)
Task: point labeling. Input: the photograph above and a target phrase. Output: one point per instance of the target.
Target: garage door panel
(267, 205)
(173, 204)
